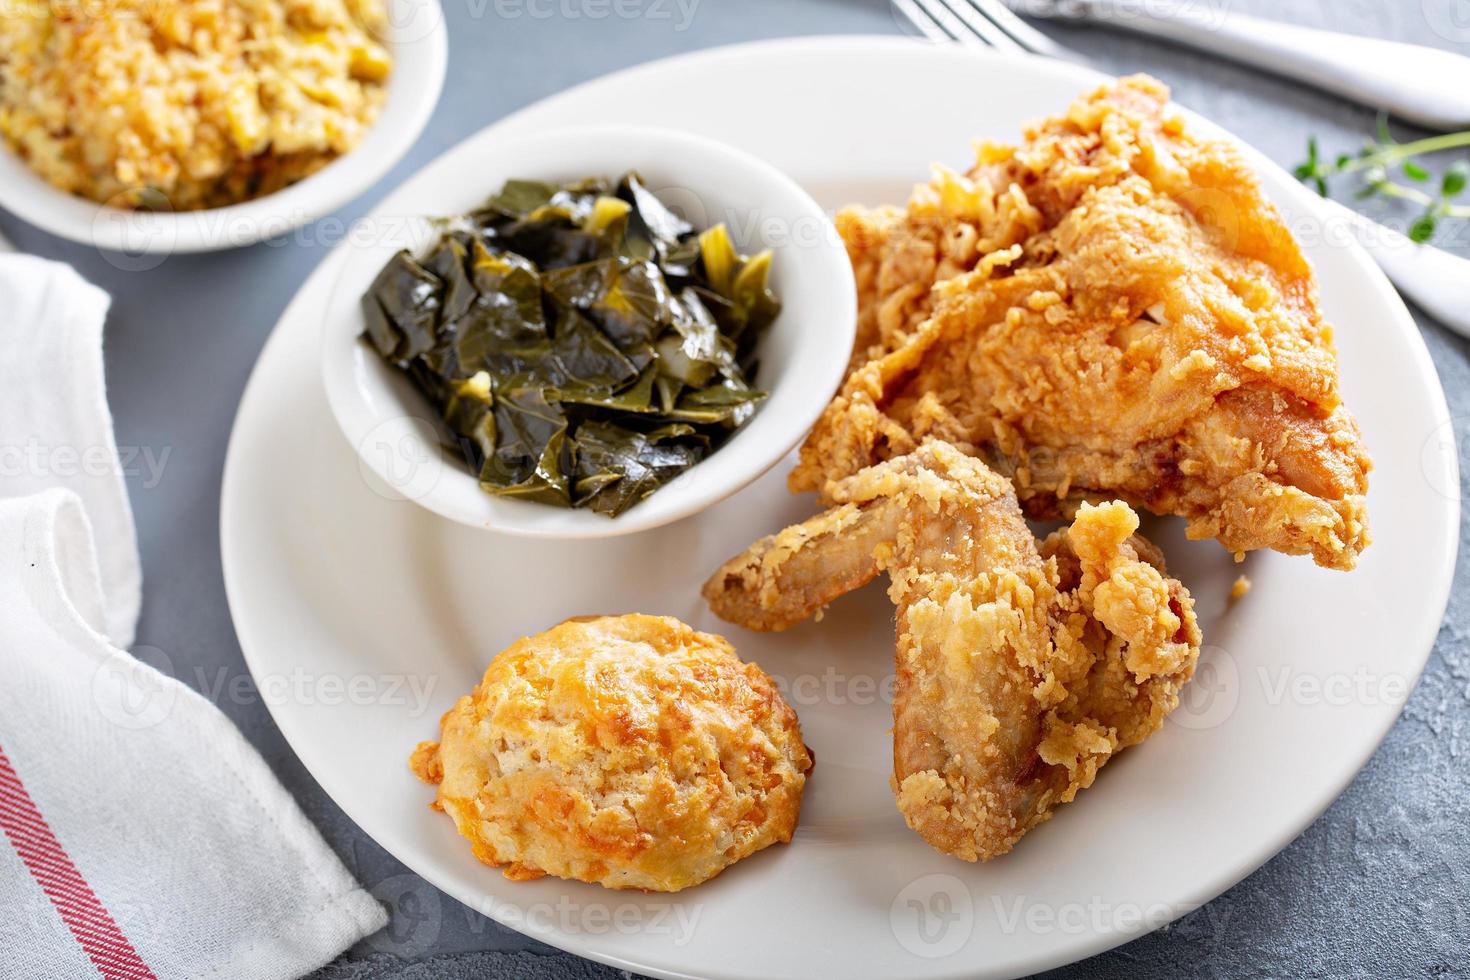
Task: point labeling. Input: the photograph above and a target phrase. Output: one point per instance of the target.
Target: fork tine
(971, 16)
(1023, 34)
(945, 20)
(926, 25)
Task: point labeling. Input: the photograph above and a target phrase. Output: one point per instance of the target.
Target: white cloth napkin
(140, 835)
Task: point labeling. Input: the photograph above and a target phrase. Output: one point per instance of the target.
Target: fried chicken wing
(1020, 671)
(1111, 309)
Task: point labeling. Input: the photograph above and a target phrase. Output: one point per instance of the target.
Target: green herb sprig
(1377, 162)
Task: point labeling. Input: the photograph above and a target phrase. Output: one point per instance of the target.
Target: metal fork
(987, 24)
(1433, 279)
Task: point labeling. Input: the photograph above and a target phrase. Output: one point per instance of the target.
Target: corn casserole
(187, 104)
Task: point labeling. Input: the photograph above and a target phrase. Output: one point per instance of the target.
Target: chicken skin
(1110, 310)
(1020, 671)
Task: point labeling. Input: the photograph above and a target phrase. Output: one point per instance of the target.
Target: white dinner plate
(368, 616)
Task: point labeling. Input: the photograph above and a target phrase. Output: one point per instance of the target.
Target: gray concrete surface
(1379, 886)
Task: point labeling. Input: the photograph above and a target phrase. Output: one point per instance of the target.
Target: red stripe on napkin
(91, 924)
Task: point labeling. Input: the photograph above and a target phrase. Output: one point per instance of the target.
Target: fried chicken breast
(1020, 671)
(1111, 309)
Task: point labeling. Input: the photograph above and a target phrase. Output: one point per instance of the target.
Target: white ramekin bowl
(802, 357)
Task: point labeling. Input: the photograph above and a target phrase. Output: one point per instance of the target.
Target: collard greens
(583, 344)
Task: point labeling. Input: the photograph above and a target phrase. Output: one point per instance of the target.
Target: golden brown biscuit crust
(630, 751)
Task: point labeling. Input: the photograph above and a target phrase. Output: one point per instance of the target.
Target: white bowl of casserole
(414, 37)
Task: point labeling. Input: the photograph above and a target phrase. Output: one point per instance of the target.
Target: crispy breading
(1111, 309)
(630, 751)
(1020, 671)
